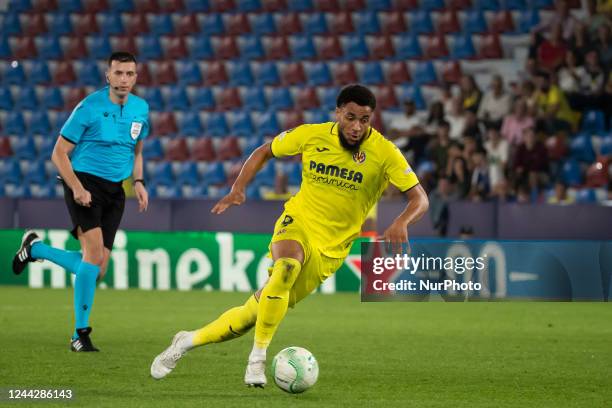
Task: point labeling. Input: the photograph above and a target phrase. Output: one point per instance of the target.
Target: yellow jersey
(340, 187)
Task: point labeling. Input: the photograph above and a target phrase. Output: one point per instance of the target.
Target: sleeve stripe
(68, 140)
(410, 188)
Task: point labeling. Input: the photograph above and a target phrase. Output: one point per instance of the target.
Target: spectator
(591, 76)
(438, 205)
(522, 194)
(593, 20)
(447, 98)
(495, 104)
(470, 93)
(560, 196)
(480, 182)
(579, 42)
(551, 52)
(553, 110)
(515, 124)
(435, 118)
(407, 131)
(458, 171)
(498, 150)
(568, 75)
(530, 96)
(438, 147)
(562, 18)
(501, 193)
(531, 161)
(604, 45)
(457, 120)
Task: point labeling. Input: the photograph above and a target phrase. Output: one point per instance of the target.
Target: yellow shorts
(316, 268)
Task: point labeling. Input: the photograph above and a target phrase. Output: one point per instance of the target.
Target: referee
(100, 145)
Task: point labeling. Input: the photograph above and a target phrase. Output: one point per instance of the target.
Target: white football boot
(165, 362)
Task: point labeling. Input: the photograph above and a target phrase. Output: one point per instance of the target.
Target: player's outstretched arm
(250, 168)
(61, 158)
(397, 233)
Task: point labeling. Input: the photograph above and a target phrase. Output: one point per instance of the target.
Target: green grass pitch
(431, 354)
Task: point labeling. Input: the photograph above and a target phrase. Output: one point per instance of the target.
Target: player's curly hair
(359, 94)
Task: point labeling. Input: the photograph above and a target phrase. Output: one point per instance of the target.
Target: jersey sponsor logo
(135, 130)
(322, 149)
(359, 157)
(336, 171)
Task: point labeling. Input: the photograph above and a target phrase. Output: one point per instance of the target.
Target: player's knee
(94, 256)
(285, 272)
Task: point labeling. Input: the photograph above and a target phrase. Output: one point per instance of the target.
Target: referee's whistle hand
(233, 198)
(142, 196)
(82, 197)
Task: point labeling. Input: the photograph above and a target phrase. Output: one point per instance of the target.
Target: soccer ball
(295, 370)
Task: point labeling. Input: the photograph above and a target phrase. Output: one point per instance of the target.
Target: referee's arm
(61, 158)
(137, 176)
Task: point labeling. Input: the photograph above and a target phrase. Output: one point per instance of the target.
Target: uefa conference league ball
(295, 370)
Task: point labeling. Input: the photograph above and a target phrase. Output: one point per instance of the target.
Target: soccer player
(347, 165)
(99, 146)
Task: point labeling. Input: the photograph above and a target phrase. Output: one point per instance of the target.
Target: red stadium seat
(203, 150)
(458, 4)
(450, 71)
(490, 47)
(73, 97)
(352, 5)
(344, 73)
(326, 5)
(380, 47)
(225, 47)
(293, 74)
(236, 24)
(273, 5)
(73, 47)
(222, 6)
(186, 24)
(94, 6)
(391, 22)
(23, 48)
(163, 73)
(144, 74)
(163, 124)
(44, 6)
(385, 97)
(397, 72)
(64, 74)
(176, 149)
(84, 24)
(227, 99)
(436, 47)
(146, 6)
(135, 24)
(171, 6)
(174, 47)
(556, 147)
(405, 5)
(33, 24)
(5, 147)
(125, 43)
(276, 48)
(597, 173)
(288, 23)
(328, 47)
(340, 23)
(448, 22)
(377, 121)
(502, 22)
(291, 119)
(229, 149)
(306, 98)
(214, 73)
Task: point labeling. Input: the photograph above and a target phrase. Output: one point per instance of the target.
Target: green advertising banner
(170, 260)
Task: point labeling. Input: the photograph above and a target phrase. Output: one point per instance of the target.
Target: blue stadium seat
(197, 191)
(593, 121)
(39, 73)
(16, 191)
(161, 24)
(5, 49)
(293, 171)
(431, 5)
(266, 176)
(279, 98)
(527, 19)
(354, 47)
(475, 22)
(200, 48)
(251, 144)
(24, 148)
(302, 47)
(177, 98)
(88, 73)
(46, 190)
(316, 116)
(52, 98)
(253, 98)
(486, 5)
(154, 97)
(149, 47)
(540, 4)
(247, 6)
(10, 24)
(241, 124)
(196, 6)
(13, 74)
(14, 123)
(300, 5)
(59, 23)
(570, 173)
(189, 124)
(6, 99)
(252, 192)
(239, 73)
(605, 149)
(412, 92)
(266, 73)
(214, 174)
(420, 22)
(187, 174)
(161, 173)
(216, 125)
(212, 24)
(267, 124)
(314, 23)
(99, 47)
(152, 149)
(39, 123)
(19, 6)
(45, 148)
(372, 73)
(188, 72)
(27, 98)
(407, 47)
(167, 192)
(514, 5)
(262, 24)
(250, 47)
(70, 6)
(318, 73)
(327, 97)
(586, 196)
(49, 47)
(121, 6)
(10, 171)
(58, 122)
(35, 173)
(462, 47)
(110, 23)
(366, 22)
(424, 72)
(582, 149)
(379, 5)
(202, 98)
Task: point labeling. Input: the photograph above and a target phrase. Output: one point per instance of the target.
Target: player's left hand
(396, 237)
(142, 196)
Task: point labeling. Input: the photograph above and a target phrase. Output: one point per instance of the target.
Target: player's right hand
(82, 197)
(235, 197)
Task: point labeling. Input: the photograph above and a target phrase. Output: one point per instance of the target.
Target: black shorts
(106, 210)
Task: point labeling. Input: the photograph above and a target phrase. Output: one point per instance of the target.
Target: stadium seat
(351, 5)
(586, 196)
(502, 22)
(59, 23)
(240, 73)
(526, 20)
(340, 23)
(597, 173)
(200, 48)
(253, 98)
(380, 47)
(581, 148)
(35, 173)
(13, 74)
(411, 92)
(23, 147)
(490, 47)
(44, 6)
(449, 71)
(84, 24)
(273, 5)
(236, 24)
(475, 22)
(5, 48)
(222, 6)
(149, 47)
(11, 24)
(185, 24)
(605, 147)
(110, 23)
(52, 98)
(251, 144)
(203, 150)
(262, 24)
(14, 124)
(229, 149)
(125, 43)
(33, 24)
(379, 5)
(240, 124)
(486, 5)
(39, 123)
(314, 23)
(300, 5)
(225, 48)
(407, 47)
(328, 47)
(266, 175)
(396, 72)
(5, 151)
(279, 98)
(293, 73)
(266, 73)
(144, 74)
(171, 6)
(176, 98)
(201, 98)
(266, 124)
(227, 99)
(38, 73)
(189, 124)
(448, 22)
(290, 119)
(371, 73)
(305, 98)
(458, 4)
(327, 97)
(385, 97)
(214, 174)
(135, 24)
(542, 4)
(216, 125)
(302, 47)
(177, 150)
(354, 47)
(63, 73)
(27, 98)
(174, 48)
(73, 96)
(98, 47)
(326, 5)
(424, 73)
(515, 5)
(88, 73)
(593, 121)
(188, 72)
(317, 73)
(152, 150)
(276, 48)
(163, 73)
(121, 6)
(211, 24)
(294, 173)
(570, 173)
(435, 47)
(187, 173)
(462, 47)
(16, 191)
(420, 22)
(10, 171)
(23, 48)
(344, 73)
(45, 148)
(73, 48)
(6, 99)
(287, 23)
(391, 22)
(161, 173)
(432, 5)
(250, 47)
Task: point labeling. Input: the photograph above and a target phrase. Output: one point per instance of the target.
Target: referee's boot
(83, 342)
(24, 254)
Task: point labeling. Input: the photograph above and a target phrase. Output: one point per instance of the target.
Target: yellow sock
(232, 324)
(274, 299)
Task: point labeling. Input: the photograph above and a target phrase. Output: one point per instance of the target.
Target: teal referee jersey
(105, 134)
